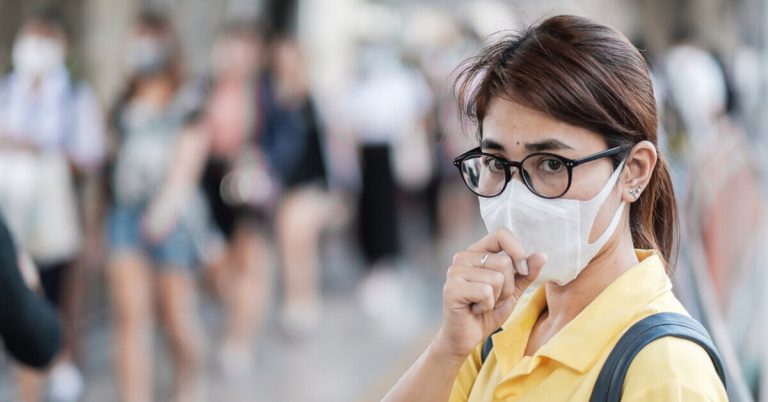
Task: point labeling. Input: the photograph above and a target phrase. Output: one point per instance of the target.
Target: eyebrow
(546, 145)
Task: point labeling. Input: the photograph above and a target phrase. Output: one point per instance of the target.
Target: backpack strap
(610, 381)
(488, 345)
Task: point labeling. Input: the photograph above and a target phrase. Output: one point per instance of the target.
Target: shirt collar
(582, 341)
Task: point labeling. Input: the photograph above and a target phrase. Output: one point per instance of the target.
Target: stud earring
(635, 192)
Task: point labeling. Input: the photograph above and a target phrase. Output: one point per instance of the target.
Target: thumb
(536, 263)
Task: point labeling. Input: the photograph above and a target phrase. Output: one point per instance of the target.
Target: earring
(635, 192)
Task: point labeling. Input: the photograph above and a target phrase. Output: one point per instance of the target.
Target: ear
(637, 171)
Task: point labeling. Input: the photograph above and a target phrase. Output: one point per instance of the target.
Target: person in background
(238, 188)
(305, 204)
(724, 195)
(157, 217)
(51, 146)
(29, 326)
(387, 103)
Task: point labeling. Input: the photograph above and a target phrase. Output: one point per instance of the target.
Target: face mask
(148, 56)
(558, 227)
(35, 56)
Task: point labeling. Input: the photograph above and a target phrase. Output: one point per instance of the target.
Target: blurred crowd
(189, 184)
(204, 180)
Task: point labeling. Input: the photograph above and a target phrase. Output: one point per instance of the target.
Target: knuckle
(447, 289)
(451, 272)
(498, 278)
(457, 257)
(488, 293)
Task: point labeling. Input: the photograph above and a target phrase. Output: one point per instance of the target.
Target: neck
(565, 302)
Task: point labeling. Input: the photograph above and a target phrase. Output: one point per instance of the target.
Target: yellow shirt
(566, 367)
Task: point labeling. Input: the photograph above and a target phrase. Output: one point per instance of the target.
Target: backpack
(610, 380)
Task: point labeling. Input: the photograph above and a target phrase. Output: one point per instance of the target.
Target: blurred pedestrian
(304, 209)
(51, 145)
(157, 215)
(724, 195)
(29, 328)
(388, 101)
(239, 189)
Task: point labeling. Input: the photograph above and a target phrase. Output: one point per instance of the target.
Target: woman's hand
(482, 287)
(160, 219)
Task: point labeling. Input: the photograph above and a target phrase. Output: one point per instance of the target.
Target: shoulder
(673, 369)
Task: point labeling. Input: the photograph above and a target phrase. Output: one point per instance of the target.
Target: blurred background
(253, 200)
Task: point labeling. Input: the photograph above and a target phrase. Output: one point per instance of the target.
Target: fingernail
(524, 267)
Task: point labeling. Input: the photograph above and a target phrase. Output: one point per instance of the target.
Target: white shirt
(55, 115)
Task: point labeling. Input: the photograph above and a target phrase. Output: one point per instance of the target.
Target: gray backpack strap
(611, 378)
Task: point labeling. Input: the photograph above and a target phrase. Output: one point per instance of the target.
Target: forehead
(511, 124)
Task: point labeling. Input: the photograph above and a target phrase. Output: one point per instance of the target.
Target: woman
(156, 214)
(305, 204)
(234, 119)
(594, 237)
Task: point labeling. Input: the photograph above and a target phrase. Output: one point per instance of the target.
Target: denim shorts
(175, 251)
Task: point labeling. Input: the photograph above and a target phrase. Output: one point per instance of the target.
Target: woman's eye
(494, 165)
(551, 165)
(497, 166)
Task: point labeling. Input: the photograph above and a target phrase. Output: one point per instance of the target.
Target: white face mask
(558, 227)
(148, 56)
(36, 56)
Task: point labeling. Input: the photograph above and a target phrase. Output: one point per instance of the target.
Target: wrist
(441, 349)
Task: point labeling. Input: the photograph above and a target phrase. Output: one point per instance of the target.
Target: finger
(536, 263)
(479, 275)
(503, 240)
(477, 297)
(501, 263)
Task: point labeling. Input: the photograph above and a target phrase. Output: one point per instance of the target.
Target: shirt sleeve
(466, 377)
(673, 369)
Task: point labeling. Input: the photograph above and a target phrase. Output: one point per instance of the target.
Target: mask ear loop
(603, 194)
(619, 211)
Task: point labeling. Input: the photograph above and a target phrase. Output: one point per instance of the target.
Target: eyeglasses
(546, 175)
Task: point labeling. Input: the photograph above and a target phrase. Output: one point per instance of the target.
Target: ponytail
(654, 216)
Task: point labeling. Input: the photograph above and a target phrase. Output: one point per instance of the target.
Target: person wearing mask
(157, 217)
(51, 147)
(238, 188)
(582, 222)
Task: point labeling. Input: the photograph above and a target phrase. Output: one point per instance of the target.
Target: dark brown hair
(590, 76)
